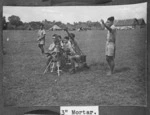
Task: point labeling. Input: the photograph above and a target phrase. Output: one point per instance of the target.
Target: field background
(25, 85)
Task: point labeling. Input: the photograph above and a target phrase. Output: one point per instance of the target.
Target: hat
(111, 18)
(66, 37)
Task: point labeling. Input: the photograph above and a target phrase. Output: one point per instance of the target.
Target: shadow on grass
(101, 65)
(124, 69)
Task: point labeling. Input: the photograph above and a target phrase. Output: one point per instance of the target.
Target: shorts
(42, 42)
(110, 49)
(74, 57)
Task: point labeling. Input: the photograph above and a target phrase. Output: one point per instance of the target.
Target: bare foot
(109, 73)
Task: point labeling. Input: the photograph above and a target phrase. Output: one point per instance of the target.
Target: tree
(4, 23)
(15, 20)
(35, 25)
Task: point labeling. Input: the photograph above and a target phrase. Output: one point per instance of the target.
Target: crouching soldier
(74, 58)
(53, 48)
(77, 62)
(78, 59)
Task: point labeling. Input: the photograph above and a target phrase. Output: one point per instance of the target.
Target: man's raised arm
(106, 25)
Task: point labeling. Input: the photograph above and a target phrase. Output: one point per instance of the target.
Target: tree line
(15, 23)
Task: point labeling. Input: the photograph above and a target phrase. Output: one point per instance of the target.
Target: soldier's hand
(102, 21)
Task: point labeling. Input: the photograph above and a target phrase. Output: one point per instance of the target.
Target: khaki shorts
(42, 42)
(74, 57)
(110, 49)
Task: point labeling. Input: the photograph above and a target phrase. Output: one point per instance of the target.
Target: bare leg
(109, 61)
(112, 65)
(72, 70)
(52, 69)
(41, 47)
(58, 68)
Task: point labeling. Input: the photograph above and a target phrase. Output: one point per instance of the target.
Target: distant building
(141, 23)
(55, 27)
(29, 28)
(126, 24)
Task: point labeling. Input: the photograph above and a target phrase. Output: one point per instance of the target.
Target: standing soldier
(41, 38)
(110, 43)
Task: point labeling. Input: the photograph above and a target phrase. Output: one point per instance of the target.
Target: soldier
(110, 43)
(41, 38)
(73, 56)
(52, 48)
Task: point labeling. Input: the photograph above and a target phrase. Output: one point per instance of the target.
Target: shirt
(41, 36)
(67, 46)
(52, 47)
(111, 35)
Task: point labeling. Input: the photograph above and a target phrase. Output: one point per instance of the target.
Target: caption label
(79, 110)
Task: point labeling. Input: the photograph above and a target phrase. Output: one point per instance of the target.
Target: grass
(25, 85)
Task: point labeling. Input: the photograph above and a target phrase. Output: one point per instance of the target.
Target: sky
(73, 14)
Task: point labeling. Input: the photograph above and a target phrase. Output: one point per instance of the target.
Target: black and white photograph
(75, 55)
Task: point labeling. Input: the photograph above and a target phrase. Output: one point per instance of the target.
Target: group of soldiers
(63, 51)
(71, 50)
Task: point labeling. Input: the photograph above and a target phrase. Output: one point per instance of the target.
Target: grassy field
(25, 85)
